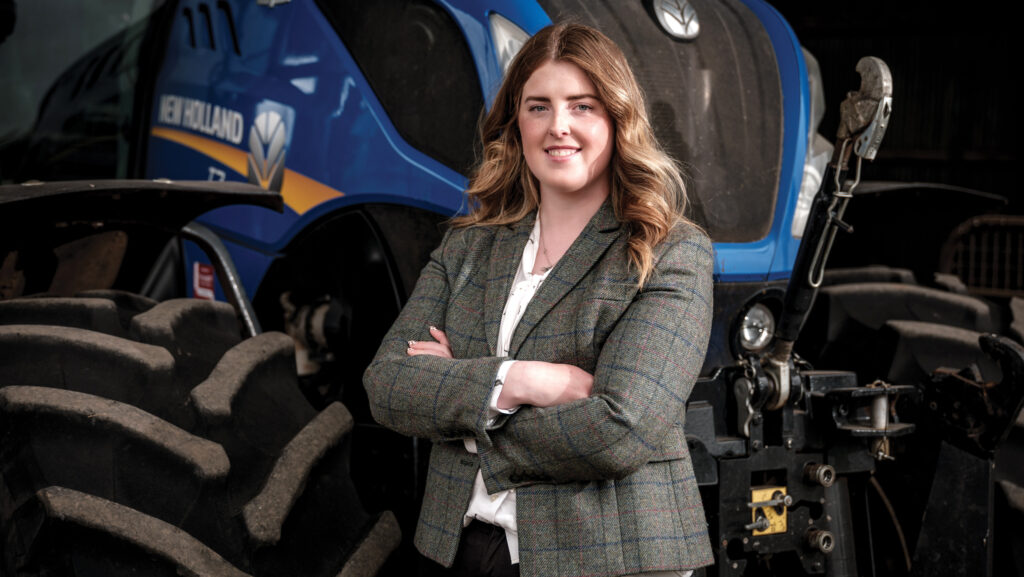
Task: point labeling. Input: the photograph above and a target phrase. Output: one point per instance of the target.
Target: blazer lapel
(506, 254)
(584, 253)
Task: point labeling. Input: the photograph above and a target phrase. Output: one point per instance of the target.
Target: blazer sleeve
(428, 396)
(644, 374)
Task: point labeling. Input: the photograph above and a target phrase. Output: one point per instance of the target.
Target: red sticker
(202, 281)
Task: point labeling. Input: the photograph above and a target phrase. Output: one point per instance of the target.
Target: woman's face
(566, 131)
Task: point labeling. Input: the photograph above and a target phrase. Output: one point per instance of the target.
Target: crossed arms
(572, 426)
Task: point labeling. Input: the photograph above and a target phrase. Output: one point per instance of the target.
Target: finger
(439, 349)
(420, 344)
(440, 336)
(426, 345)
(428, 348)
(432, 353)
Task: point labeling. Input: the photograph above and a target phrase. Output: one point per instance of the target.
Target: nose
(560, 123)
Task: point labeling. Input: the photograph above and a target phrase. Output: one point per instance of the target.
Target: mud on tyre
(148, 438)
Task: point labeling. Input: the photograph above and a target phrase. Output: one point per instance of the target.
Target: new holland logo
(267, 139)
(678, 18)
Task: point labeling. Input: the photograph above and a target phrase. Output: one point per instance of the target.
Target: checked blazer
(604, 485)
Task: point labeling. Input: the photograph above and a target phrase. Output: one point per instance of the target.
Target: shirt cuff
(493, 412)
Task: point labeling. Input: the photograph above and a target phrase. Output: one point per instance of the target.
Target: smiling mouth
(561, 152)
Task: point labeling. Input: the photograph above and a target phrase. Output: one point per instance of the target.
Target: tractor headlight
(508, 39)
(819, 149)
(757, 328)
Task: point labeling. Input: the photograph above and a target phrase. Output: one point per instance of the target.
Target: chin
(562, 186)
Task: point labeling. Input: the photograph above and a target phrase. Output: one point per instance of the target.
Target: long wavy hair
(647, 190)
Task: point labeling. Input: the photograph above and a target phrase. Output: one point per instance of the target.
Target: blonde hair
(647, 190)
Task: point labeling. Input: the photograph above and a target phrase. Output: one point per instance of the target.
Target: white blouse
(500, 508)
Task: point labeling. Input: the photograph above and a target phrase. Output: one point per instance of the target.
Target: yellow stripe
(300, 192)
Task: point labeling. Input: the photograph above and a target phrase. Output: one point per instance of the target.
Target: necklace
(543, 247)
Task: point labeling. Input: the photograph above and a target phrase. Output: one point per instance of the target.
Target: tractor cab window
(416, 60)
(68, 87)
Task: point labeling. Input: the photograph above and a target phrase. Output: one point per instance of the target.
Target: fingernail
(409, 350)
(433, 328)
(411, 343)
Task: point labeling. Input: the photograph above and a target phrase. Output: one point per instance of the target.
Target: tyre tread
(130, 526)
(266, 513)
(205, 458)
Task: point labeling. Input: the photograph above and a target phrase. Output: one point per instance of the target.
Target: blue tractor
(839, 414)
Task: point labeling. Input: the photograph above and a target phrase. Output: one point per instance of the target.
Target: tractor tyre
(144, 438)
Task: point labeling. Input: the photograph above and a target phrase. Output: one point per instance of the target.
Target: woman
(552, 340)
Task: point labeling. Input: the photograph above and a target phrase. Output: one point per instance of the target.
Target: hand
(441, 348)
(544, 384)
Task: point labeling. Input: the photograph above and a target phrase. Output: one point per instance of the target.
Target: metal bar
(983, 260)
(1007, 283)
(994, 249)
(226, 272)
(1006, 254)
(961, 258)
(969, 265)
(1020, 261)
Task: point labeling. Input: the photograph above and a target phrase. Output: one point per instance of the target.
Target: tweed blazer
(604, 485)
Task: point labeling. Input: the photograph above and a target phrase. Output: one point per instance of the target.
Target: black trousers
(483, 552)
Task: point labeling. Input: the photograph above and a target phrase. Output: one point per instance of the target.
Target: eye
(584, 107)
(537, 108)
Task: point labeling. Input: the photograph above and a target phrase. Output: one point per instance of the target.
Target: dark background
(955, 117)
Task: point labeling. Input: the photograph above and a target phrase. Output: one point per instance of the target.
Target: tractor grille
(987, 253)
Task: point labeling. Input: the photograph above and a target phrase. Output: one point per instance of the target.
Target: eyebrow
(546, 99)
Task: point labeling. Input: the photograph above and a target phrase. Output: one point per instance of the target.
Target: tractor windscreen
(715, 103)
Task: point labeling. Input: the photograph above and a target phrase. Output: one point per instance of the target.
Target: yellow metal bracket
(768, 503)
